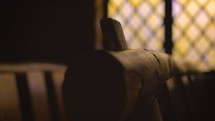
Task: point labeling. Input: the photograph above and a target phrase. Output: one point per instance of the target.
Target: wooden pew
(31, 92)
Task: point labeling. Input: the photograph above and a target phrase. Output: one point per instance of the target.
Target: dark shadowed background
(45, 31)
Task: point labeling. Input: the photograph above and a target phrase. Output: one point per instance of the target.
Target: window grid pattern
(142, 22)
(194, 33)
(193, 28)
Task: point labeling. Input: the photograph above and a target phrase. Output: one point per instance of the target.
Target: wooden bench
(31, 92)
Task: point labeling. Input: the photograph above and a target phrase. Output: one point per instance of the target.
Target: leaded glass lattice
(194, 33)
(193, 28)
(142, 22)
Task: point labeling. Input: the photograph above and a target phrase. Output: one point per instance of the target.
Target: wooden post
(115, 84)
(105, 86)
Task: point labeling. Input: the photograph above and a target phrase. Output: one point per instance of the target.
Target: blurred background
(56, 31)
(193, 25)
(39, 38)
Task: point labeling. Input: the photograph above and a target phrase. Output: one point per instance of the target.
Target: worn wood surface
(98, 85)
(116, 84)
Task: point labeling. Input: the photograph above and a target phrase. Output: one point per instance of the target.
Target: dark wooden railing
(31, 92)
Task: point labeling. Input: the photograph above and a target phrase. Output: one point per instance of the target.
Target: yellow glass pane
(135, 21)
(147, 32)
(182, 20)
(135, 3)
(154, 2)
(182, 46)
(192, 8)
(176, 33)
(144, 10)
(154, 21)
(193, 32)
(177, 8)
(210, 32)
(202, 45)
(141, 34)
(127, 10)
(160, 34)
(182, 1)
(210, 8)
(160, 9)
(202, 20)
(202, 2)
(111, 9)
(116, 3)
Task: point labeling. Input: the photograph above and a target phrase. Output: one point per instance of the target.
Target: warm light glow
(154, 2)
(202, 2)
(117, 3)
(210, 8)
(192, 8)
(182, 46)
(140, 19)
(183, 2)
(197, 45)
(193, 28)
(182, 20)
(135, 3)
(111, 9)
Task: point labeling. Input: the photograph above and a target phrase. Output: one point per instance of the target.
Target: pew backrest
(31, 92)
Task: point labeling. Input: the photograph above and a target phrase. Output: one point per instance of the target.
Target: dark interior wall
(42, 30)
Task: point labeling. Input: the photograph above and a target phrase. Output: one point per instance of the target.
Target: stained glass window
(194, 33)
(142, 21)
(193, 28)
